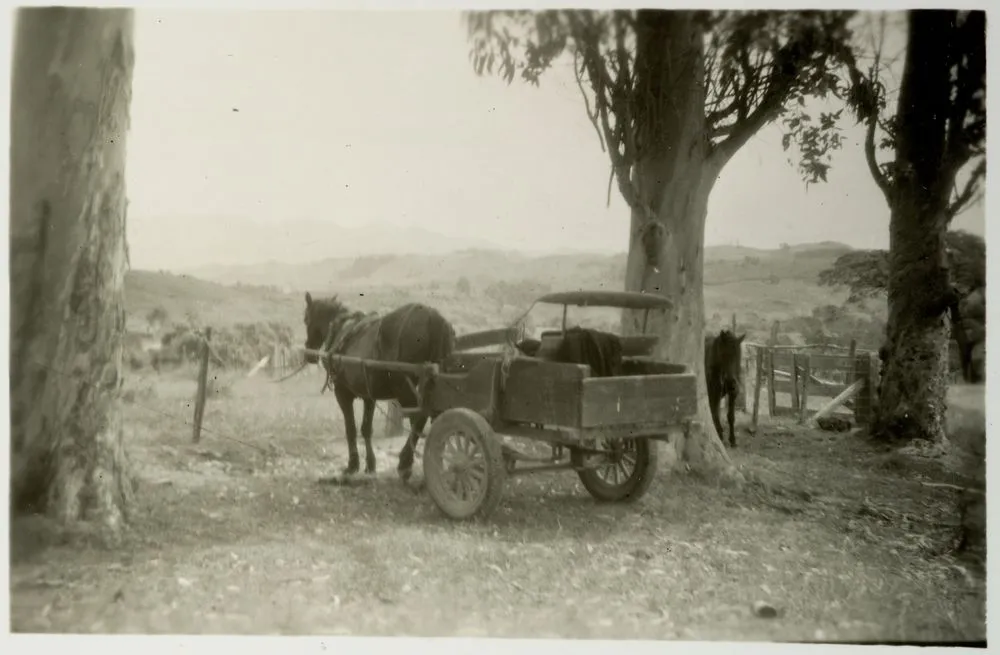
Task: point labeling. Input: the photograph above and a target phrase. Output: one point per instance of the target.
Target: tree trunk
(72, 77)
(666, 250)
(915, 378)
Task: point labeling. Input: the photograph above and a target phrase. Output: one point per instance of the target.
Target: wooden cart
(602, 428)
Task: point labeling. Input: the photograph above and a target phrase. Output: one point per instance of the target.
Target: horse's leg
(714, 397)
(405, 467)
(731, 415)
(366, 432)
(346, 401)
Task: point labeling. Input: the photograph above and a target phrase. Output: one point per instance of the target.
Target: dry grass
(235, 536)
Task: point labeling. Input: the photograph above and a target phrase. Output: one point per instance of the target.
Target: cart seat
(550, 341)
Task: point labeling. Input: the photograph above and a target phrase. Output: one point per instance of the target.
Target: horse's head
(319, 314)
(729, 353)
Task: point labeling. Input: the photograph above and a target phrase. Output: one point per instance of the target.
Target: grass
(234, 535)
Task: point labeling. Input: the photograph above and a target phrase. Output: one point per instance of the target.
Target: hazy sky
(377, 116)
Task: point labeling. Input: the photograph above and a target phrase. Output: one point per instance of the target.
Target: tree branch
(880, 179)
(873, 120)
(964, 199)
(766, 111)
(592, 115)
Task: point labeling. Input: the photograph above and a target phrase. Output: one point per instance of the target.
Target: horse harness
(338, 339)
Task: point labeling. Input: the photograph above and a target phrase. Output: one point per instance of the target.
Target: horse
(723, 375)
(413, 333)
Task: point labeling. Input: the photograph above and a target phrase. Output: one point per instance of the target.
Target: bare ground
(234, 535)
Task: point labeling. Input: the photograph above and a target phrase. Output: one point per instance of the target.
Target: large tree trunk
(666, 249)
(72, 79)
(915, 379)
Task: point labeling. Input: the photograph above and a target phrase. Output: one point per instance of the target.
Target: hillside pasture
(235, 535)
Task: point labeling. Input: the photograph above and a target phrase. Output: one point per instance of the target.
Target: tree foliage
(755, 66)
(866, 272)
(957, 136)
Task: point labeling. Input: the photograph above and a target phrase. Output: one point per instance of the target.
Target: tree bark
(915, 378)
(674, 177)
(71, 87)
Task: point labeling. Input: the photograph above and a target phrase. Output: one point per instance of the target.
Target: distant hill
(723, 264)
(761, 285)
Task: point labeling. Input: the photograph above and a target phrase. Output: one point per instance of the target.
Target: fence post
(772, 402)
(804, 396)
(756, 393)
(199, 399)
(741, 396)
(795, 382)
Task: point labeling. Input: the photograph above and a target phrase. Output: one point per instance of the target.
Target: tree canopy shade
(673, 95)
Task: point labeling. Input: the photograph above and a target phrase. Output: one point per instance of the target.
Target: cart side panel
(650, 399)
(538, 391)
(472, 389)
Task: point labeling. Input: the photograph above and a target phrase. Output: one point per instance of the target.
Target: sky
(358, 117)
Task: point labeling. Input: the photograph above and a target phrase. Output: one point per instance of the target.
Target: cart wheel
(625, 474)
(463, 465)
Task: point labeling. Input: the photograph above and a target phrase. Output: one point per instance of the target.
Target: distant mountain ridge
(480, 266)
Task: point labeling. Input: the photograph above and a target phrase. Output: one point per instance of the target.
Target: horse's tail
(444, 346)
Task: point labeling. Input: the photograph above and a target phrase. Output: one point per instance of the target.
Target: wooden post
(804, 397)
(795, 382)
(851, 354)
(841, 398)
(771, 400)
(772, 340)
(741, 396)
(759, 379)
(199, 399)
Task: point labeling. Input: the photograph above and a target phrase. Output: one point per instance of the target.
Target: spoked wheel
(624, 473)
(464, 467)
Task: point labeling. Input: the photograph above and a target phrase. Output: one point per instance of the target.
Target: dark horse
(724, 376)
(413, 333)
